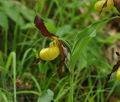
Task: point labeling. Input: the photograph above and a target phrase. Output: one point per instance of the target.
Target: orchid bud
(99, 5)
(104, 5)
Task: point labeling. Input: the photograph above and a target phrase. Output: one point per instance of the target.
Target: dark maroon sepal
(41, 26)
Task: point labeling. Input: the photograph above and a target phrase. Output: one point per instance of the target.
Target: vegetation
(84, 66)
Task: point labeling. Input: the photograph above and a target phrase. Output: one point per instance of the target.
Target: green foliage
(16, 12)
(84, 35)
(46, 97)
(81, 42)
(4, 20)
(111, 39)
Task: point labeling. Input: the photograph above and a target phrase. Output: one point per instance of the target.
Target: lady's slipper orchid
(55, 48)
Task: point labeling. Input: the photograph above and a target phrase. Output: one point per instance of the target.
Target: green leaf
(38, 6)
(110, 39)
(50, 26)
(64, 30)
(3, 97)
(1, 59)
(28, 26)
(46, 97)
(82, 40)
(27, 13)
(12, 12)
(3, 20)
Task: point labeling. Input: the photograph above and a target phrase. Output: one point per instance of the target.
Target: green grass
(84, 32)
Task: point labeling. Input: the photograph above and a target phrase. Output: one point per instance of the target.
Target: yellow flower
(118, 74)
(51, 52)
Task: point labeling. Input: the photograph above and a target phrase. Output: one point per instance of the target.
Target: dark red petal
(41, 26)
(61, 68)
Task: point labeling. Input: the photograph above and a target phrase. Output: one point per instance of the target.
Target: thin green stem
(6, 40)
(14, 75)
(49, 9)
(15, 38)
(71, 97)
(29, 92)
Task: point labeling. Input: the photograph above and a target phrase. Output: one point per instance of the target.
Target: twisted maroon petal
(41, 26)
